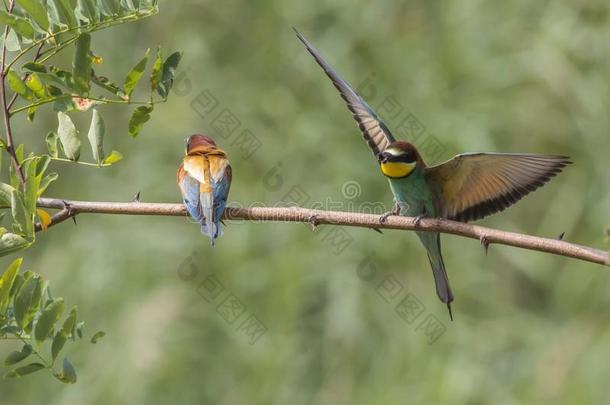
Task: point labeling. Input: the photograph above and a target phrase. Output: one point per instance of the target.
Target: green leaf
(68, 373)
(169, 71)
(34, 173)
(70, 322)
(88, 9)
(66, 12)
(11, 242)
(61, 77)
(27, 301)
(18, 85)
(23, 220)
(46, 181)
(6, 192)
(64, 103)
(15, 357)
(34, 83)
(19, 24)
(21, 371)
(6, 283)
(68, 136)
(37, 10)
(106, 84)
(51, 141)
(79, 330)
(59, 341)
(31, 113)
(50, 315)
(42, 165)
(114, 157)
(135, 74)
(12, 42)
(96, 136)
(139, 116)
(81, 63)
(157, 70)
(109, 7)
(97, 336)
(35, 67)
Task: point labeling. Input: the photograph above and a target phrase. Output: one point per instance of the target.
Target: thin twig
(25, 76)
(297, 214)
(10, 148)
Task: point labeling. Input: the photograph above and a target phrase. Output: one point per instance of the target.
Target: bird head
(198, 140)
(398, 160)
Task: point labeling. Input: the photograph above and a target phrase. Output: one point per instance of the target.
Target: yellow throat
(397, 169)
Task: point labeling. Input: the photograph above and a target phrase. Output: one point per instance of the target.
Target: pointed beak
(383, 158)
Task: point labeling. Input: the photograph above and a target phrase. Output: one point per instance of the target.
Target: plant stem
(315, 217)
(10, 147)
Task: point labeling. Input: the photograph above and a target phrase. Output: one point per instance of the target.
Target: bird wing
(189, 187)
(221, 174)
(473, 185)
(374, 131)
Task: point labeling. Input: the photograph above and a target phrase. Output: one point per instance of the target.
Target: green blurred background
(515, 76)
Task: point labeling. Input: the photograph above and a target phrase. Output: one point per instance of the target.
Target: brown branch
(319, 217)
(10, 147)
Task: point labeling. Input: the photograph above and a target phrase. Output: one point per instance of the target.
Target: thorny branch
(296, 214)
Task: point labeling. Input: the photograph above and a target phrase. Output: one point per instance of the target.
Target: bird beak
(383, 158)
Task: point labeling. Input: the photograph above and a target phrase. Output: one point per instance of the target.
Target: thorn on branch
(136, 198)
(561, 235)
(70, 212)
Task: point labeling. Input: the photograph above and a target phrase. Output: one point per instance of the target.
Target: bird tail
(432, 242)
(209, 226)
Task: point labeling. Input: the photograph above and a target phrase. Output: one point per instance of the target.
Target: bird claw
(418, 219)
(313, 222)
(485, 242)
(384, 217)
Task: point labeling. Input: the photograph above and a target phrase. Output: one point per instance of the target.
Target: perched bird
(467, 187)
(204, 179)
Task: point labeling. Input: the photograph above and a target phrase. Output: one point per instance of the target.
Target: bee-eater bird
(467, 187)
(204, 179)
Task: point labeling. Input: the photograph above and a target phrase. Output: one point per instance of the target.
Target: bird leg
(313, 221)
(395, 211)
(418, 219)
(485, 242)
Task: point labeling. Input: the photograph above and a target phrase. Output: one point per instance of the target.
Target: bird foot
(418, 219)
(485, 242)
(384, 217)
(313, 222)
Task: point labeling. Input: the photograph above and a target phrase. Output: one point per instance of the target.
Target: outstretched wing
(473, 185)
(374, 131)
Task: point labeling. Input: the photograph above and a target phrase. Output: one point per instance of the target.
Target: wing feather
(473, 185)
(375, 132)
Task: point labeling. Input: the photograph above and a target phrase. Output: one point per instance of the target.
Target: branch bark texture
(70, 208)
